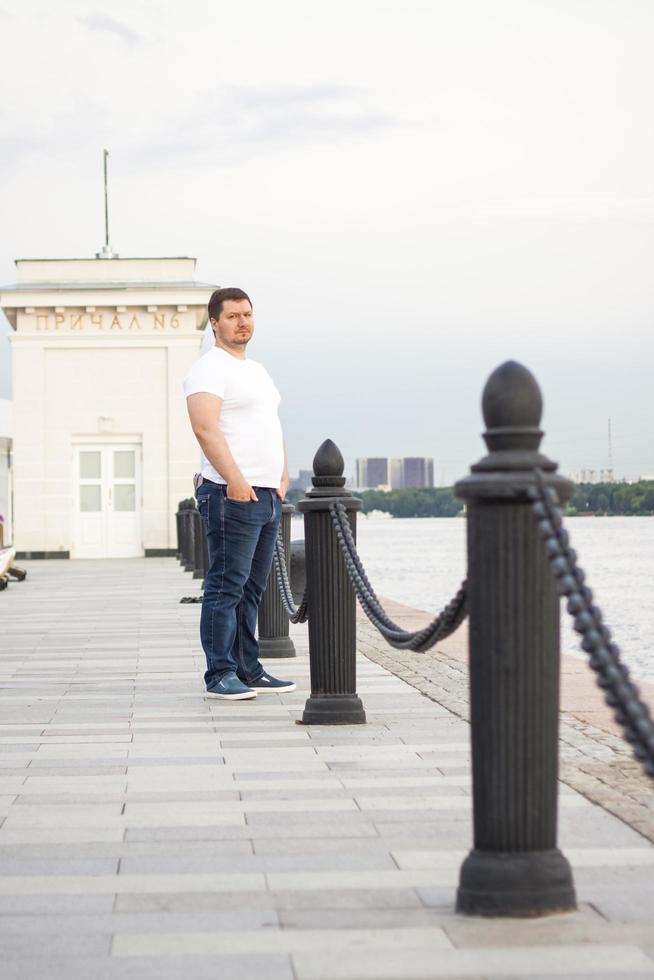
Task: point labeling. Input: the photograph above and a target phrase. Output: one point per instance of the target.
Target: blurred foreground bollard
(189, 563)
(515, 868)
(200, 556)
(178, 525)
(298, 570)
(185, 515)
(330, 596)
(274, 639)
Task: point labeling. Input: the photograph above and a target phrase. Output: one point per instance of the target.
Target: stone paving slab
(595, 759)
(147, 833)
(244, 966)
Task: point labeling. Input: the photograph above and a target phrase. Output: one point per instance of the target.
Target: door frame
(104, 441)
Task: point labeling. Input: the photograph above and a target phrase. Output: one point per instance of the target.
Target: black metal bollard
(331, 600)
(178, 525)
(179, 518)
(199, 545)
(185, 517)
(515, 868)
(274, 639)
(298, 570)
(189, 553)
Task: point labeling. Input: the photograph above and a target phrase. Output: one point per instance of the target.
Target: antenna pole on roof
(106, 202)
(106, 252)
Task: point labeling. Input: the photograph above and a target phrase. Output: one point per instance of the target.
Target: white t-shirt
(248, 417)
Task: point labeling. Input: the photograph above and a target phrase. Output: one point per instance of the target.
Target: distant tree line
(293, 496)
(633, 499)
(427, 502)
(424, 502)
(589, 498)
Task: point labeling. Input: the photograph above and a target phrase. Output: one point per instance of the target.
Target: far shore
(384, 515)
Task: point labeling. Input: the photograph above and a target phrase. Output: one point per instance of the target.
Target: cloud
(98, 21)
(238, 122)
(227, 125)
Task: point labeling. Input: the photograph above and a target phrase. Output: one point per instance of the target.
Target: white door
(107, 502)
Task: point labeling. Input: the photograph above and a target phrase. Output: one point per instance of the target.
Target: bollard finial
(512, 397)
(328, 466)
(512, 405)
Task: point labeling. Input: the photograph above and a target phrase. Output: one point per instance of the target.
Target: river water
(421, 561)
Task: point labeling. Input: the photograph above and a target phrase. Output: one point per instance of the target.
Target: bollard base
(515, 884)
(334, 709)
(276, 646)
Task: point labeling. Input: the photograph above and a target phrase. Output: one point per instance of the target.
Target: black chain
(296, 614)
(441, 627)
(620, 693)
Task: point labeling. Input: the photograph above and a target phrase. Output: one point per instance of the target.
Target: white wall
(5, 359)
(68, 391)
(5, 473)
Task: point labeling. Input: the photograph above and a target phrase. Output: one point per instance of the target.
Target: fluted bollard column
(178, 525)
(330, 598)
(184, 520)
(515, 868)
(274, 639)
(199, 535)
(189, 554)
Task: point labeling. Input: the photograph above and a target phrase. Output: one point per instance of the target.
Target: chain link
(620, 693)
(296, 614)
(441, 627)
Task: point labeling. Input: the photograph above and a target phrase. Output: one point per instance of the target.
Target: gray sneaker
(267, 684)
(230, 688)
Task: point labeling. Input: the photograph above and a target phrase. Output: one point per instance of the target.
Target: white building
(5, 470)
(593, 476)
(102, 447)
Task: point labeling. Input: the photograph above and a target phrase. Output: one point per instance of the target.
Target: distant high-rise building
(418, 471)
(372, 472)
(376, 473)
(397, 474)
(302, 481)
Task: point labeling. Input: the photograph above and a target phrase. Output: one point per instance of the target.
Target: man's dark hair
(220, 295)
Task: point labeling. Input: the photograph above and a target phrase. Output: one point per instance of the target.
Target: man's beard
(240, 340)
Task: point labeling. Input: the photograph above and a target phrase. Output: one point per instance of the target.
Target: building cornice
(107, 284)
(120, 258)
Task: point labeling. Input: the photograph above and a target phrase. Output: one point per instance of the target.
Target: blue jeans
(241, 538)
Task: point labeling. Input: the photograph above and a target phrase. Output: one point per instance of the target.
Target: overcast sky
(411, 190)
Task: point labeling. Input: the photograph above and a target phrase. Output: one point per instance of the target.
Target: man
(232, 403)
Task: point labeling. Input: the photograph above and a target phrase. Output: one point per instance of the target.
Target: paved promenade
(147, 833)
(595, 758)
